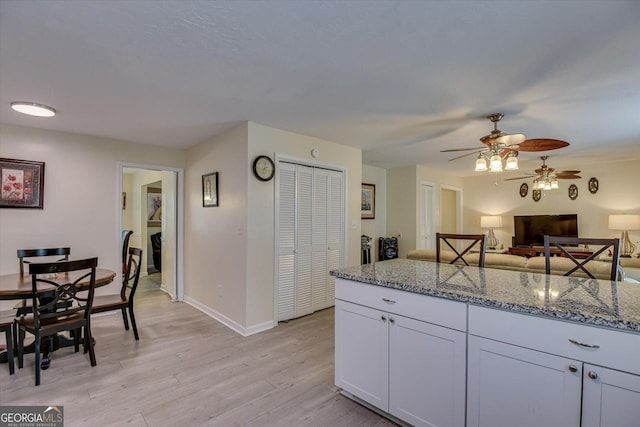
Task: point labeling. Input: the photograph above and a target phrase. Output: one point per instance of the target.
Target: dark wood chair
(124, 300)
(126, 235)
(563, 243)
(50, 315)
(24, 258)
(7, 326)
(470, 240)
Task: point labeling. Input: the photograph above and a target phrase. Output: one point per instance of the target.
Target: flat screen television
(530, 229)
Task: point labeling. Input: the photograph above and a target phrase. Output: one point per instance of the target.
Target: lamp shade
(624, 222)
(491, 221)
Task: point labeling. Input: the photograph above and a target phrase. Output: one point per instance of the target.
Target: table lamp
(491, 222)
(625, 222)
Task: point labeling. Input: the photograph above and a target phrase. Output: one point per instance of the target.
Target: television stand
(539, 250)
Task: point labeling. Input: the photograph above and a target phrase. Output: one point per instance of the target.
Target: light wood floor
(188, 369)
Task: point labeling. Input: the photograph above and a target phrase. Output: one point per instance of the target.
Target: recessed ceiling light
(33, 109)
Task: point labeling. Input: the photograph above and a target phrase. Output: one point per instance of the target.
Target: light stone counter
(595, 302)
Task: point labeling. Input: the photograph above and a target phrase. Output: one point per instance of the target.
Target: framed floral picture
(22, 184)
(368, 201)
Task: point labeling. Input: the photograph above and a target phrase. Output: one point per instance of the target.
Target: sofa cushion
(561, 265)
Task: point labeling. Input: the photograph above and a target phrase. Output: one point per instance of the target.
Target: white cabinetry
(530, 371)
(391, 355)
(610, 398)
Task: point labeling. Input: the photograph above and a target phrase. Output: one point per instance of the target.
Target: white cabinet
(513, 379)
(610, 398)
(515, 386)
(412, 369)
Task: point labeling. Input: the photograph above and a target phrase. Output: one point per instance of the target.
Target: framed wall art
(154, 207)
(22, 184)
(368, 202)
(210, 190)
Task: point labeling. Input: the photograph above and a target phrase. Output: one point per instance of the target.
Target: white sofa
(630, 267)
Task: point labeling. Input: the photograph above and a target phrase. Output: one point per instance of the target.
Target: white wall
(618, 193)
(82, 200)
(261, 217)
(377, 227)
(216, 237)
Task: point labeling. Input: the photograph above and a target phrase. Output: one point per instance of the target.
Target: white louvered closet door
(310, 238)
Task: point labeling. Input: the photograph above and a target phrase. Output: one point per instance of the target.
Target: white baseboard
(229, 323)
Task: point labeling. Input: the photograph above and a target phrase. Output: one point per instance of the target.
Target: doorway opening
(152, 209)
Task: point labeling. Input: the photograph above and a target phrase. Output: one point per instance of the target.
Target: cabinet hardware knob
(384, 319)
(592, 375)
(392, 320)
(388, 301)
(581, 344)
(573, 368)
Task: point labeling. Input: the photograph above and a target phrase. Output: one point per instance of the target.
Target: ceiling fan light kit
(501, 149)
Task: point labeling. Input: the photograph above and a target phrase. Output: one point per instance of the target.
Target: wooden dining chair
(126, 235)
(50, 315)
(7, 326)
(25, 254)
(124, 300)
(470, 240)
(581, 265)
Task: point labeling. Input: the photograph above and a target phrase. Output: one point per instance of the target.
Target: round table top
(15, 286)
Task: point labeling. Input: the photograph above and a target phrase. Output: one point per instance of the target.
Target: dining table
(19, 287)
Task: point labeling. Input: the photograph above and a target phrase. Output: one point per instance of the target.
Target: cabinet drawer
(450, 314)
(617, 350)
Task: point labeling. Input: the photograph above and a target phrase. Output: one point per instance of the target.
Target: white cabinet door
(515, 386)
(610, 398)
(361, 349)
(427, 373)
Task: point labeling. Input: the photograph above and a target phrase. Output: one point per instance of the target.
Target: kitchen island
(445, 345)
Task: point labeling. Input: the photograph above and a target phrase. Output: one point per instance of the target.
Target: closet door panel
(285, 268)
(304, 240)
(320, 272)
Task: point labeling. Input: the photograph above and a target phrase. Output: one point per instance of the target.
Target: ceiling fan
(500, 145)
(546, 178)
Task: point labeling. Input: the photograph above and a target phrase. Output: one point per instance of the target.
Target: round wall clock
(536, 194)
(593, 186)
(573, 191)
(524, 189)
(263, 168)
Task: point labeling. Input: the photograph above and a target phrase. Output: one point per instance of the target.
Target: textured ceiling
(401, 80)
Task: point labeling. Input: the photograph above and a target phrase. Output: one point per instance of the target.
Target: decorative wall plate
(524, 189)
(573, 191)
(593, 186)
(536, 194)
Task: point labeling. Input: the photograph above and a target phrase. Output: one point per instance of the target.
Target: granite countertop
(595, 302)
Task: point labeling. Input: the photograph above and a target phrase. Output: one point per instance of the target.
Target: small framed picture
(22, 184)
(593, 186)
(154, 207)
(524, 189)
(368, 202)
(210, 190)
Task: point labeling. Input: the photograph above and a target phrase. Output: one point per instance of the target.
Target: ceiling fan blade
(542, 144)
(519, 177)
(460, 149)
(468, 154)
(568, 172)
(568, 176)
(504, 138)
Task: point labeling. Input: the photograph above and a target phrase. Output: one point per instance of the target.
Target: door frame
(179, 250)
